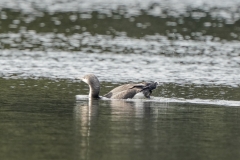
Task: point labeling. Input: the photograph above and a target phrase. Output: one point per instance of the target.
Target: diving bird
(121, 92)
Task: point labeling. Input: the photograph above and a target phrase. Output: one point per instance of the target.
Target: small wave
(175, 100)
(198, 101)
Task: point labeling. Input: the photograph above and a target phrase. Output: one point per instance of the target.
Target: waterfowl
(121, 92)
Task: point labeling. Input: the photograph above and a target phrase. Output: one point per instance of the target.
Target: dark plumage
(122, 92)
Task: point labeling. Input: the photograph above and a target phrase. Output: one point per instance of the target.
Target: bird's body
(121, 92)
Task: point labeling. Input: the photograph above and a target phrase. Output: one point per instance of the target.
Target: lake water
(190, 47)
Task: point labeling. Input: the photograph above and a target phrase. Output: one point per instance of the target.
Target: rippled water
(40, 119)
(190, 47)
(196, 43)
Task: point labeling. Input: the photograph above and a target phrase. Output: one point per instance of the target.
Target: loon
(121, 92)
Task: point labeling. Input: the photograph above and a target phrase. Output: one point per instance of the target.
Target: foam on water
(198, 101)
(172, 100)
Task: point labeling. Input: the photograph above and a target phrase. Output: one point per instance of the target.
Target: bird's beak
(78, 78)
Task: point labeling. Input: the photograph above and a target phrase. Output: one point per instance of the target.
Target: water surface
(190, 47)
(40, 119)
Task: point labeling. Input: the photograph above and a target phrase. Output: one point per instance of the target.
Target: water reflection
(84, 114)
(122, 129)
(112, 123)
(86, 111)
(44, 122)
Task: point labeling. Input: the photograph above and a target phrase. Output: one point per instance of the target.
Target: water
(160, 131)
(47, 123)
(40, 119)
(191, 48)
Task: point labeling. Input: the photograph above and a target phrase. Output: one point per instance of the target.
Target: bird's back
(130, 90)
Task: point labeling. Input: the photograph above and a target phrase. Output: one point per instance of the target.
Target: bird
(126, 91)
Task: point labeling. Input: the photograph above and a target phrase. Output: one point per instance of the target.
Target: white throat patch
(85, 80)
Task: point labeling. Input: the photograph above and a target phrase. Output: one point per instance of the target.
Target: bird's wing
(124, 90)
(130, 90)
(129, 93)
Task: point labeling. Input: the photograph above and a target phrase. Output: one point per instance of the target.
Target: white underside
(139, 95)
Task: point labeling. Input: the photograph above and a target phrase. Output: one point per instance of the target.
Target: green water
(40, 119)
(191, 48)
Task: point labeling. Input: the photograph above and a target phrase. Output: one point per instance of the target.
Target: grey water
(41, 119)
(190, 47)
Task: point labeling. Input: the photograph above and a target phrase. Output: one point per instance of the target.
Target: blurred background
(167, 41)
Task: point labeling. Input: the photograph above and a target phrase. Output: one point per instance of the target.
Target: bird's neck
(94, 91)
